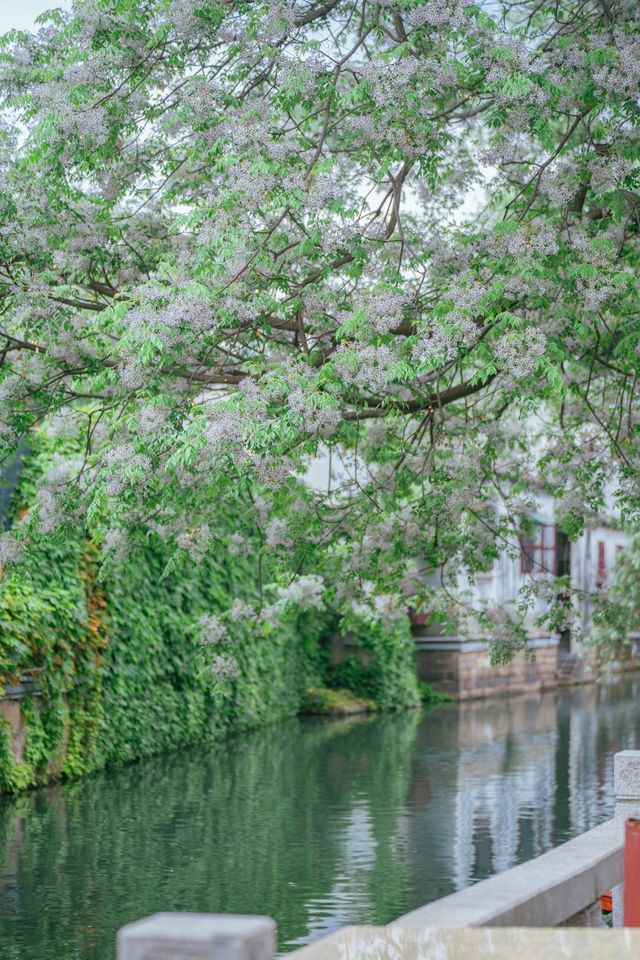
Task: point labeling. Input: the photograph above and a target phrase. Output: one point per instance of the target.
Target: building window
(563, 554)
(601, 573)
(538, 550)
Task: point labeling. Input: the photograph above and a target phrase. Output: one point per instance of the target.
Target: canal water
(318, 823)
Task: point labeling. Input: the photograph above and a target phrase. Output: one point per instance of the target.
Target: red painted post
(632, 873)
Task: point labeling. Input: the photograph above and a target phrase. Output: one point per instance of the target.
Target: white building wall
(585, 557)
(503, 583)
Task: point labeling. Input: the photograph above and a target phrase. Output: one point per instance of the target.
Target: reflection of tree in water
(260, 824)
(372, 868)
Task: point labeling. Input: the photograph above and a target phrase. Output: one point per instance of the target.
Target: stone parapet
(559, 887)
(462, 668)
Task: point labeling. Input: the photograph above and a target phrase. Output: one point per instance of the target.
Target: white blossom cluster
(235, 239)
(369, 367)
(225, 667)
(241, 611)
(520, 353)
(212, 630)
(239, 546)
(196, 542)
(383, 309)
(11, 549)
(306, 592)
(386, 609)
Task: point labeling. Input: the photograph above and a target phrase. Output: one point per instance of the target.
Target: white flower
(271, 614)
(241, 611)
(196, 542)
(239, 546)
(212, 629)
(225, 667)
(388, 609)
(276, 533)
(305, 592)
(10, 549)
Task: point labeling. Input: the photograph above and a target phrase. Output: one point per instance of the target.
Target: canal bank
(461, 667)
(318, 823)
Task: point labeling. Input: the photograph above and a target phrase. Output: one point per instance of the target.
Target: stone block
(424, 943)
(467, 674)
(626, 776)
(627, 808)
(591, 916)
(198, 936)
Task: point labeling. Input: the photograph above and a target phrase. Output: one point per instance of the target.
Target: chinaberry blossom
(212, 630)
(241, 611)
(305, 592)
(11, 549)
(224, 667)
(196, 541)
(264, 234)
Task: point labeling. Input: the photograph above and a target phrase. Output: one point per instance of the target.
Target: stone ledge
(543, 892)
(464, 645)
(201, 936)
(626, 776)
(364, 943)
(18, 691)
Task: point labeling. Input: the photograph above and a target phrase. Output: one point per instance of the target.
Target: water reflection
(317, 823)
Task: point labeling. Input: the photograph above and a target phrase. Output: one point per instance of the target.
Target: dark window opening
(601, 572)
(538, 550)
(563, 554)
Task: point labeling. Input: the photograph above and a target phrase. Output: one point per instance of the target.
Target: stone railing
(561, 888)
(200, 939)
(198, 936)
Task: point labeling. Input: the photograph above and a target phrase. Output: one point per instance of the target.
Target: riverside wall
(461, 668)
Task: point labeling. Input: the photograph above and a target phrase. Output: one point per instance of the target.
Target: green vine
(382, 666)
(121, 671)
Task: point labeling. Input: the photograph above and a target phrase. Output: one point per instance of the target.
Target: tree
(236, 236)
(617, 604)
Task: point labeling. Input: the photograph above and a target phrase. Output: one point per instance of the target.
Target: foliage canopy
(237, 236)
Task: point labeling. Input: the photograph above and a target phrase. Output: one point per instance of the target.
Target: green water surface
(317, 823)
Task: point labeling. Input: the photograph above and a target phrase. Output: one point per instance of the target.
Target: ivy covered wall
(122, 672)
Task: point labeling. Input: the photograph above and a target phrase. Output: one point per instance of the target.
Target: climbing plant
(126, 653)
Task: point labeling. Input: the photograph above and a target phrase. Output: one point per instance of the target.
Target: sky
(21, 14)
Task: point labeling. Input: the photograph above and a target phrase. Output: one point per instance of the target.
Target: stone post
(198, 936)
(626, 788)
